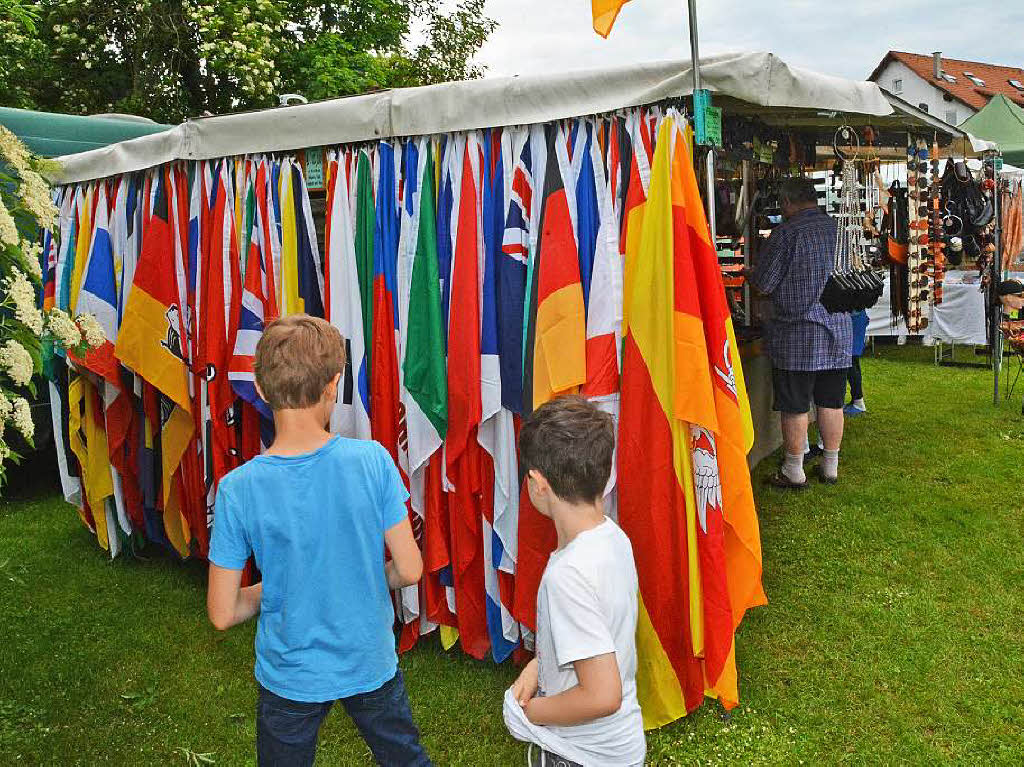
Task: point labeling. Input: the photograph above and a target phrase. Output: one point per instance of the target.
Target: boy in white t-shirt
(576, 700)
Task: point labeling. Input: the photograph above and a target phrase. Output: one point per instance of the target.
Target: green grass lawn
(894, 632)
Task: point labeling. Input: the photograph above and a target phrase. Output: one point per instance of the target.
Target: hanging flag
(67, 463)
(732, 439)
(424, 383)
(497, 431)
(309, 270)
(291, 301)
(511, 268)
(556, 344)
(344, 304)
(667, 405)
(605, 12)
(463, 452)
(150, 340)
(385, 413)
(220, 307)
(365, 220)
(88, 441)
(384, 396)
(258, 309)
(98, 294)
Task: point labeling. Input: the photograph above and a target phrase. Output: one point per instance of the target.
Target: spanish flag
(605, 13)
(669, 490)
(734, 430)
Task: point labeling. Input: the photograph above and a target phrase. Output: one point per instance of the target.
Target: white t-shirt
(587, 606)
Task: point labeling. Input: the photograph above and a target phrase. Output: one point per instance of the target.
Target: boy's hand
(525, 687)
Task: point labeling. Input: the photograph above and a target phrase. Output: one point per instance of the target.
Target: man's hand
(525, 687)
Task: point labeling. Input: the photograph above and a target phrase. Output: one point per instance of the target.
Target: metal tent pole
(997, 264)
(694, 53)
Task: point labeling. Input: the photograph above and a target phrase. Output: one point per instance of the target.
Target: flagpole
(694, 52)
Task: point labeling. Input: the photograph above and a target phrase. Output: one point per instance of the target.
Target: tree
(172, 59)
(20, 53)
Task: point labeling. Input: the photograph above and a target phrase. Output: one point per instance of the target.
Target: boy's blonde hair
(296, 358)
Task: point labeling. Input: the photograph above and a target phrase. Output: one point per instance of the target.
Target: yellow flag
(605, 13)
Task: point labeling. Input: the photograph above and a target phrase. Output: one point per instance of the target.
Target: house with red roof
(950, 89)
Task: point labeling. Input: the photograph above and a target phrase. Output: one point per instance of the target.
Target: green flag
(424, 363)
(365, 227)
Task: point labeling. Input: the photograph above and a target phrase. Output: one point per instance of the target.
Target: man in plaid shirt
(809, 347)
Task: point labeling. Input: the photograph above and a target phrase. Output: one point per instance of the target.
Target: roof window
(1017, 84)
(948, 77)
(975, 79)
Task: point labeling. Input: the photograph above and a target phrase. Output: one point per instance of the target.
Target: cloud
(846, 39)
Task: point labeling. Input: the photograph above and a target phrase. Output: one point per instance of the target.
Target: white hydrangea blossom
(22, 418)
(92, 331)
(21, 293)
(8, 229)
(64, 329)
(32, 251)
(12, 148)
(17, 361)
(5, 452)
(35, 194)
(5, 409)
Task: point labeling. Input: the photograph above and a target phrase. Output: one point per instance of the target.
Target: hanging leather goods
(853, 285)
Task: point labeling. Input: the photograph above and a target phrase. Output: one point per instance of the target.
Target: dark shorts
(796, 389)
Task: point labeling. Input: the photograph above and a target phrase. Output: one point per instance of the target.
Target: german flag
(556, 363)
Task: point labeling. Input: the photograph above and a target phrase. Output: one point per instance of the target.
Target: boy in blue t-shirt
(316, 511)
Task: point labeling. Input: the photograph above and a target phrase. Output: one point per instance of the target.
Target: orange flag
(605, 13)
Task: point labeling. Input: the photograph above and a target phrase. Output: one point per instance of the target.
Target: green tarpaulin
(49, 134)
(1000, 121)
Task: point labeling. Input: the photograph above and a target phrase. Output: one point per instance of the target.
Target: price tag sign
(314, 167)
(701, 103)
(713, 126)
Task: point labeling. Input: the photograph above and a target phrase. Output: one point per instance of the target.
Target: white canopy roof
(747, 79)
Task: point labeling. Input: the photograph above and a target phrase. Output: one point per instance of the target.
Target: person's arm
(598, 694)
(771, 264)
(227, 603)
(406, 565)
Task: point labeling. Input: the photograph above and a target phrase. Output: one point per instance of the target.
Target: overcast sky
(830, 36)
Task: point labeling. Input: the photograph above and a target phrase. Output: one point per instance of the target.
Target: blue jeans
(286, 730)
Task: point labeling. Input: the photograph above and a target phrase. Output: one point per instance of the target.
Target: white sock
(807, 446)
(830, 463)
(793, 468)
(859, 404)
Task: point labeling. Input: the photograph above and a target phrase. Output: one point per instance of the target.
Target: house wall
(917, 91)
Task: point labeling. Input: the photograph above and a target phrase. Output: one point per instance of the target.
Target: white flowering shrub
(26, 208)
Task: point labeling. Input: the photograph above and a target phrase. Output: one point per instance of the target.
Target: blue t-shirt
(315, 524)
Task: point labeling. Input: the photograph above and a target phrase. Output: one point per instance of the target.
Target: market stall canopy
(748, 82)
(50, 134)
(1000, 121)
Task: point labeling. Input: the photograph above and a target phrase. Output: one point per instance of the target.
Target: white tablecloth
(960, 318)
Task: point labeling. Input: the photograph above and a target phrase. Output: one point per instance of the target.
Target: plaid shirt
(793, 270)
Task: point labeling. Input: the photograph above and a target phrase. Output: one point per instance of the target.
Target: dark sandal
(823, 479)
(781, 481)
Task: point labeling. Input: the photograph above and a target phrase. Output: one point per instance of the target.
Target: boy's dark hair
(571, 443)
(798, 191)
(296, 357)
